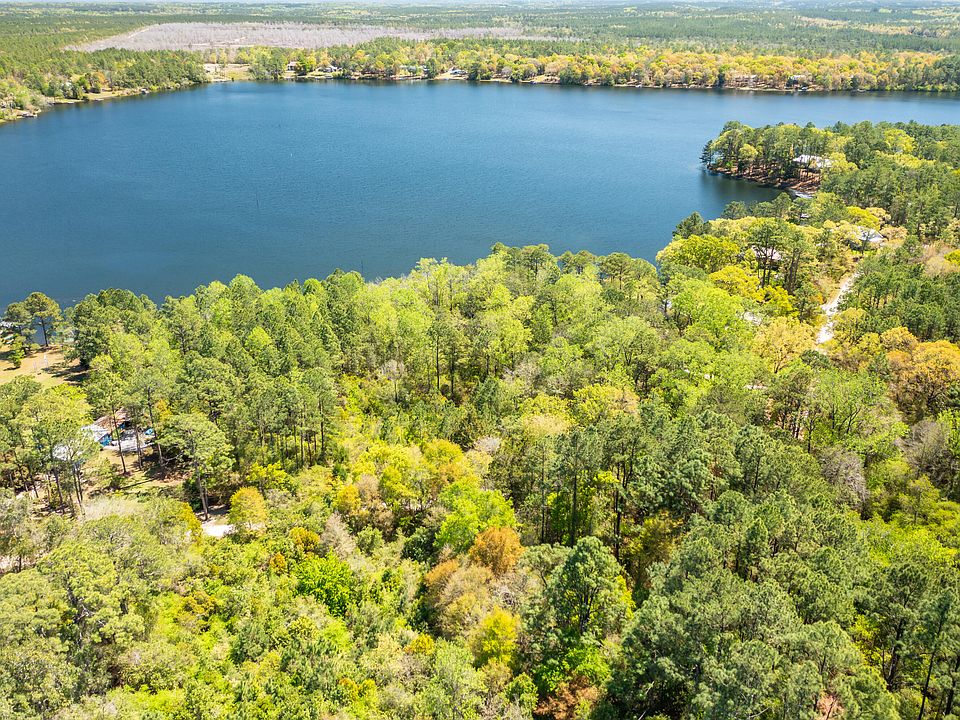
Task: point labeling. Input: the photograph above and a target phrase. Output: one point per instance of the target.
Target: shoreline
(102, 96)
(796, 187)
(241, 74)
(555, 80)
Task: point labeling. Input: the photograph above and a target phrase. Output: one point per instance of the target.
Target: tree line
(591, 63)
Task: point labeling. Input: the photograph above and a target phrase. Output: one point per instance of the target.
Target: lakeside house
(72, 453)
(740, 80)
(813, 162)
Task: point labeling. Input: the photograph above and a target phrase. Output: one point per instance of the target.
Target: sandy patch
(216, 527)
(48, 367)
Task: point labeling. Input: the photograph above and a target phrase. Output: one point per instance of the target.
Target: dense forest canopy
(723, 486)
(561, 487)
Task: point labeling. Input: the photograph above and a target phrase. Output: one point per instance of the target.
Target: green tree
(106, 393)
(203, 446)
(248, 511)
(45, 311)
(470, 511)
(495, 639)
(20, 321)
(52, 421)
(454, 690)
(587, 592)
(329, 579)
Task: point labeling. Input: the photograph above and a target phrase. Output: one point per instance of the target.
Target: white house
(869, 236)
(816, 162)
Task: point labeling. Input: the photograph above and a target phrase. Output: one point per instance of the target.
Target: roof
(813, 161)
(95, 431)
(107, 420)
(767, 254)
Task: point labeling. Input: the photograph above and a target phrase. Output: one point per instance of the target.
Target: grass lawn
(48, 367)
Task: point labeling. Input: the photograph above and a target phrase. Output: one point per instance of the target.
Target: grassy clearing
(48, 367)
(229, 71)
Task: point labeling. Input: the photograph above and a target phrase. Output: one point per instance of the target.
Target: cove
(284, 181)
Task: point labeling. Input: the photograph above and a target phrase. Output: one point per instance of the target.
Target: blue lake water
(292, 180)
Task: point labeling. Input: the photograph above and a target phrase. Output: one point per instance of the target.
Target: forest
(578, 63)
(36, 68)
(803, 46)
(906, 168)
(534, 486)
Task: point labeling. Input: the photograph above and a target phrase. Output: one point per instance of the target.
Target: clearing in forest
(232, 36)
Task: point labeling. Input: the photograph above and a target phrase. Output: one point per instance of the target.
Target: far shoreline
(242, 75)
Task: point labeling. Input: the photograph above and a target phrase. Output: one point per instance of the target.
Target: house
(768, 257)
(293, 66)
(740, 80)
(869, 236)
(813, 162)
(97, 433)
(129, 442)
(106, 421)
(64, 453)
(73, 452)
(6, 329)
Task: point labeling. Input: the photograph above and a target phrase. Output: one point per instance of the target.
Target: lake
(285, 181)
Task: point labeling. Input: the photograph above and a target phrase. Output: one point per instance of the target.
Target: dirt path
(830, 308)
(218, 525)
